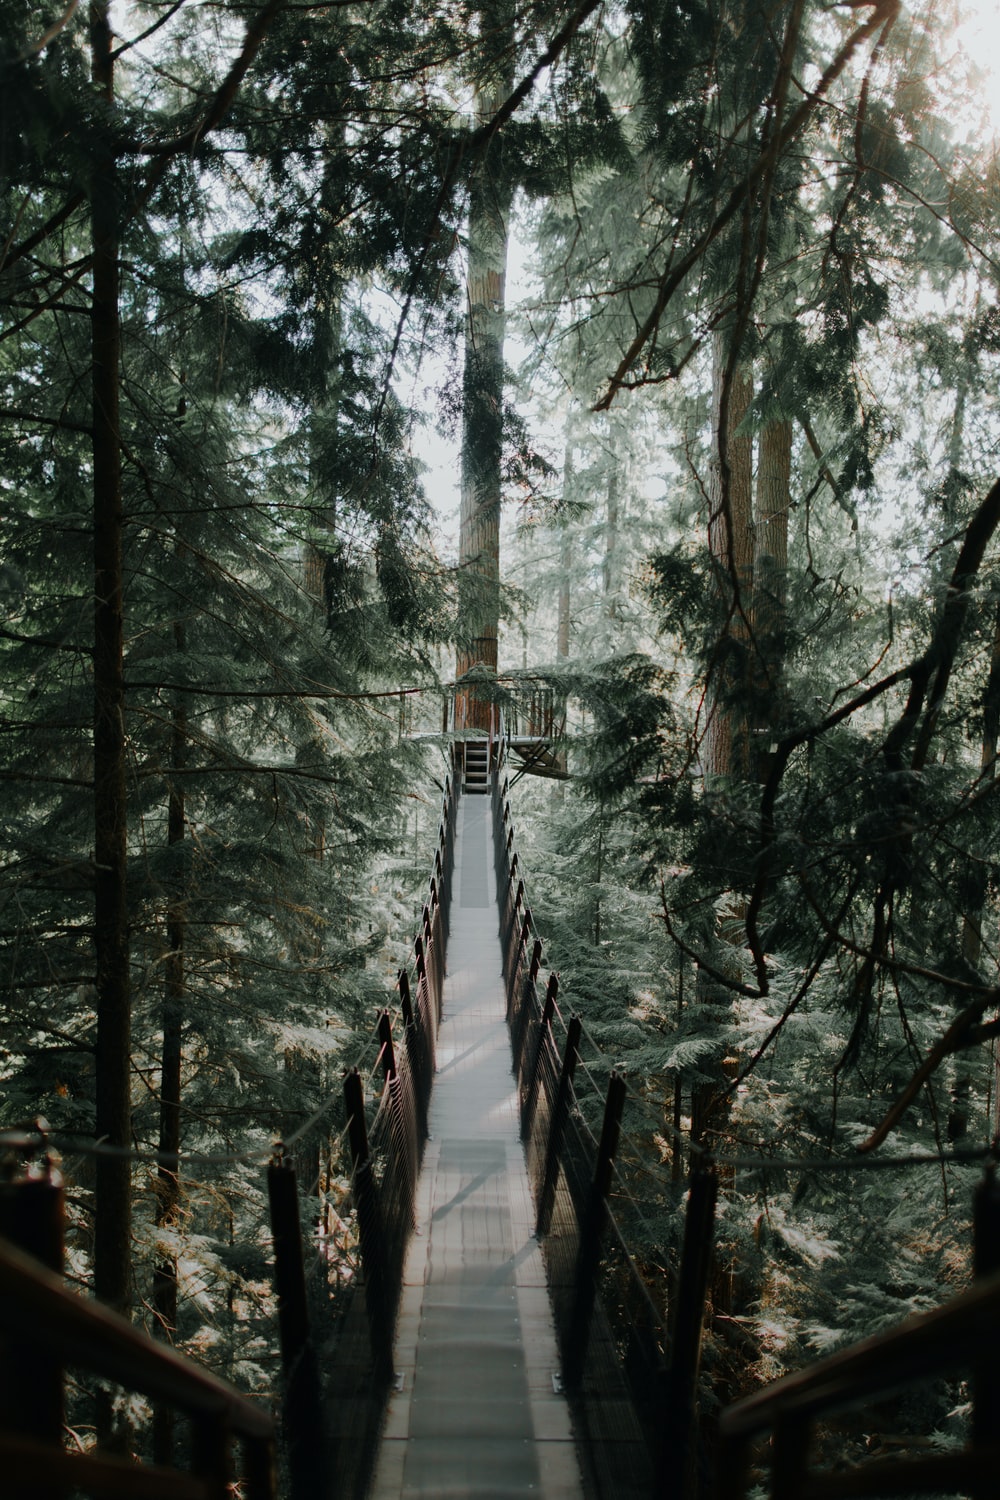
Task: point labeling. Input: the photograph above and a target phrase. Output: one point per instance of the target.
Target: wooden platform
(477, 1414)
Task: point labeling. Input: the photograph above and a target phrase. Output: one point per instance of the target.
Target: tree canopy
(731, 449)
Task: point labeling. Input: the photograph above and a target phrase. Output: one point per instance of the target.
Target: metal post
(688, 1320)
(405, 1003)
(259, 1480)
(211, 1457)
(557, 1127)
(591, 1231)
(986, 1260)
(521, 1018)
(515, 966)
(31, 1377)
(418, 1057)
(545, 1021)
(302, 1410)
(511, 927)
(432, 991)
(370, 1232)
(388, 1051)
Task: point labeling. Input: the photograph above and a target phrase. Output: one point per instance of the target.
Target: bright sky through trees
(979, 35)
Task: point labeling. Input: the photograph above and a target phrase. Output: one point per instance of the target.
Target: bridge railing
(631, 1368)
(46, 1330)
(386, 1129)
(961, 1336)
(336, 1350)
(533, 711)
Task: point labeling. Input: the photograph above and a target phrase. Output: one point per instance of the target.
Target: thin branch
(884, 13)
(953, 1040)
(49, 36)
(471, 146)
(149, 31)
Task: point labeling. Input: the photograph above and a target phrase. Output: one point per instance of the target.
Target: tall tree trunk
(725, 749)
(482, 400)
(168, 1171)
(972, 921)
(562, 625)
(609, 565)
(112, 1224)
(770, 565)
(730, 538)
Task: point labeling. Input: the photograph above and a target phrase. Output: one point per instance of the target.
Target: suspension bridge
(500, 1340)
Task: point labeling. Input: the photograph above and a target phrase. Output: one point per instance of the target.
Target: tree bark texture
(770, 568)
(565, 562)
(168, 1170)
(609, 566)
(562, 629)
(968, 1062)
(112, 1226)
(730, 539)
(482, 416)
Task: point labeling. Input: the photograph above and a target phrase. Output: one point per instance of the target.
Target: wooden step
(476, 778)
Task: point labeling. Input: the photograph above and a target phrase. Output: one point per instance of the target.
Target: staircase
(476, 776)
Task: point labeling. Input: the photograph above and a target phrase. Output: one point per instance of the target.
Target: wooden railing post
(302, 1408)
(790, 1451)
(31, 1376)
(557, 1127)
(434, 992)
(685, 1343)
(591, 1231)
(258, 1469)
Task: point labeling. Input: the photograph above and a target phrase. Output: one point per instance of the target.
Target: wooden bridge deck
(478, 1414)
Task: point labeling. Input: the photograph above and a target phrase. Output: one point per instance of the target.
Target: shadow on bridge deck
(478, 1413)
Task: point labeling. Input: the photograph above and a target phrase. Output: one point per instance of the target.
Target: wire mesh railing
(629, 1362)
(385, 1128)
(47, 1331)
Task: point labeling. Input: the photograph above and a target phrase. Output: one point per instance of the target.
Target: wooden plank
(928, 1474)
(35, 1304)
(28, 1464)
(926, 1344)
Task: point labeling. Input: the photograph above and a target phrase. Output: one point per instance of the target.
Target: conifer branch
(222, 101)
(41, 234)
(890, 962)
(150, 30)
(34, 48)
(958, 1036)
(725, 980)
(225, 94)
(930, 671)
(19, 414)
(471, 146)
(884, 13)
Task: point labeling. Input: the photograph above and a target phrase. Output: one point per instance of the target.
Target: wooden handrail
(926, 1344)
(961, 1333)
(31, 1467)
(35, 1304)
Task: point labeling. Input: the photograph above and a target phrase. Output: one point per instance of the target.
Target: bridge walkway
(477, 1413)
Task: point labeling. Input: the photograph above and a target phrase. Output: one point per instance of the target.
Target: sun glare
(979, 36)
